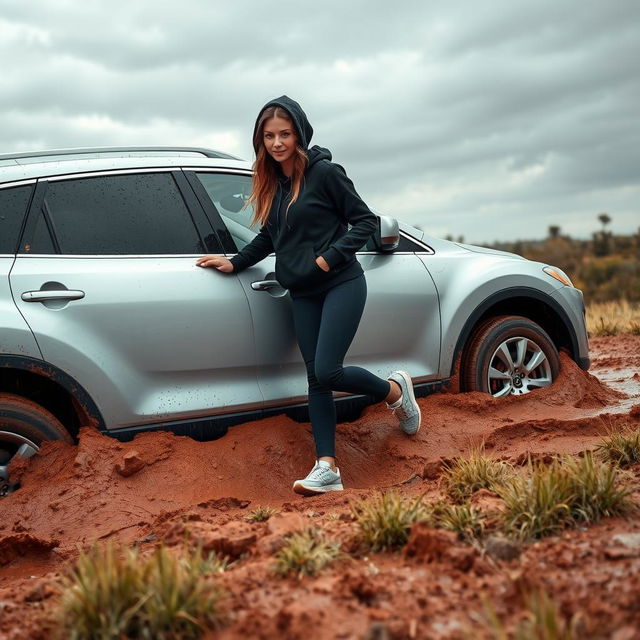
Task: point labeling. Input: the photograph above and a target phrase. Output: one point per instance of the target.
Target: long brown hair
(265, 176)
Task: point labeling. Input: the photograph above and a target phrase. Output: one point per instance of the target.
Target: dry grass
(464, 476)
(546, 499)
(542, 620)
(260, 514)
(465, 519)
(384, 520)
(112, 593)
(621, 448)
(612, 318)
(306, 553)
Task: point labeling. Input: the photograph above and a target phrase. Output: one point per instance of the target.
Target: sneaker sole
(300, 489)
(412, 395)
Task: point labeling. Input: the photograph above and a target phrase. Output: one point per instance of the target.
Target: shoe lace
(320, 472)
(400, 412)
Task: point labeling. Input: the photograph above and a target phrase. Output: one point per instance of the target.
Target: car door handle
(265, 285)
(43, 296)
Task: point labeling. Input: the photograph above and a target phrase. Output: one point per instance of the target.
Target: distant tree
(449, 237)
(554, 231)
(461, 239)
(605, 219)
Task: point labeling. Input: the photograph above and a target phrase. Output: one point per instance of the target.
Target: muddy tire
(509, 355)
(24, 426)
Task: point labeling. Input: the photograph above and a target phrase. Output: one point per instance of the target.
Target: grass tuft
(464, 476)
(260, 514)
(542, 621)
(110, 594)
(570, 490)
(621, 448)
(611, 318)
(384, 520)
(465, 519)
(306, 553)
(605, 328)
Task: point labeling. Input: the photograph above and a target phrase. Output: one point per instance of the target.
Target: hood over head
(298, 116)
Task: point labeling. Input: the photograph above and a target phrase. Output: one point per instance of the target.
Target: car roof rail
(209, 153)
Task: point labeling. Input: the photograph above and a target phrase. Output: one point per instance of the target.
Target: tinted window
(41, 240)
(13, 205)
(229, 193)
(125, 214)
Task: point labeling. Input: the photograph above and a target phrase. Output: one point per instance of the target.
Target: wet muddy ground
(159, 486)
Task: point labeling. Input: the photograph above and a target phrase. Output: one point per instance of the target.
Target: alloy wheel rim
(12, 445)
(518, 366)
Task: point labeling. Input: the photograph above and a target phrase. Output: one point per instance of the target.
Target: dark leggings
(325, 325)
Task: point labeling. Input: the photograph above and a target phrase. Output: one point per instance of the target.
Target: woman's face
(280, 139)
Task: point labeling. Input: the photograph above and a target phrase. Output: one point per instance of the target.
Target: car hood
(494, 252)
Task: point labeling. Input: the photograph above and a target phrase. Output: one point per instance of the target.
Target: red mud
(160, 486)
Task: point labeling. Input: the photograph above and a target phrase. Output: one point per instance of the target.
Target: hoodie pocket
(297, 267)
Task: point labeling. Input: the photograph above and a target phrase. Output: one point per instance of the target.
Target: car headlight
(559, 275)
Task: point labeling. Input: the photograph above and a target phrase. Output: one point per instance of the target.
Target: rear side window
(13, 206)
(137, 214)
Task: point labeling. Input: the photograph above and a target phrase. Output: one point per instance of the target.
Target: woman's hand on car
(217, 262)
(322, 263)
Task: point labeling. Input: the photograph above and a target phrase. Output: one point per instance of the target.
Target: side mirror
(387, 236)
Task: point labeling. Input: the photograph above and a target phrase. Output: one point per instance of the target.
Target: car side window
(13, 206)
(229, 193)
(134, 214)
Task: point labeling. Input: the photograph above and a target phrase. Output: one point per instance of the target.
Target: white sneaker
(321, 479)
(406, 408)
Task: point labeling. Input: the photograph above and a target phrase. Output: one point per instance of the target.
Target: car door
(16, 338)
(400, 328)
(106, 279)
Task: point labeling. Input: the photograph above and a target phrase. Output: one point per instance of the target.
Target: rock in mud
(233, 539)
(131, 463)
(433, 469)
(18, 545)
(502, 548)
(283, 524)
(378, 631)
(435, 545)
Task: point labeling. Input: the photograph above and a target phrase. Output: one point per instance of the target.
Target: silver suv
(107, 321)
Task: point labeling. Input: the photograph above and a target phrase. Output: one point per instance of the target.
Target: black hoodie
(316, 224)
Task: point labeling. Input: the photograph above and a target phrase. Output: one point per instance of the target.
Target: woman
(304, 203)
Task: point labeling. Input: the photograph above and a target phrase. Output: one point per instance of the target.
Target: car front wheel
(24, 426)
(509, 355)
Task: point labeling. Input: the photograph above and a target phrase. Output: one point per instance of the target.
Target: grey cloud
(497, 111)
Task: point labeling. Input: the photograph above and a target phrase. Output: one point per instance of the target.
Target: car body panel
(153, 337)
(465, 280)
(16, 337)
(399, 328)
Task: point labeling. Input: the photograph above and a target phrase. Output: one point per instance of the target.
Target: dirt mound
(171, 489)
(17, 545)
(104, 487)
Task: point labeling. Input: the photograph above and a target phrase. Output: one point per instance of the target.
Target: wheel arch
(52, 388)
(521, 301)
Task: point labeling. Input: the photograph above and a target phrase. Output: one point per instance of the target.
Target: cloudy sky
(491, 120)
